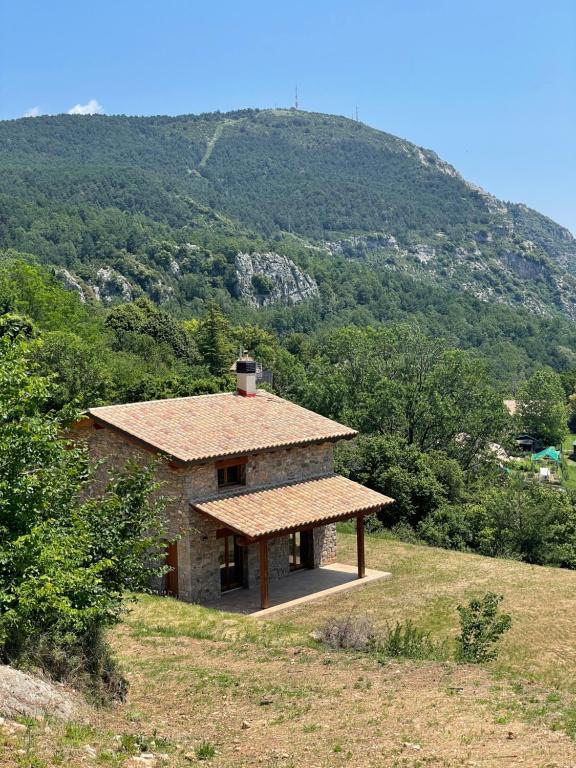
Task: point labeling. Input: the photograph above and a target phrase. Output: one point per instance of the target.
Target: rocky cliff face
(269, 278)
(110, 284)
(72, 283)
(497, 263)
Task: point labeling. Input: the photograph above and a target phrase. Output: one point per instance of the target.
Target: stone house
(250, 480)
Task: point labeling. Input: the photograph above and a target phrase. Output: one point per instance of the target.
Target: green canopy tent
(548, 453)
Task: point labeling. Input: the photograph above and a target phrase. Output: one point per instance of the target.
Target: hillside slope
(263, 693)
(167, 202)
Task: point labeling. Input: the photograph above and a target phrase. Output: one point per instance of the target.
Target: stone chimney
(246, 377)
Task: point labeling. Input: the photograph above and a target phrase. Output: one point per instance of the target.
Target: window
(230, 563)
(231, 473)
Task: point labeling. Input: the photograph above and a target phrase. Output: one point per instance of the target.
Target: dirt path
(213, 140)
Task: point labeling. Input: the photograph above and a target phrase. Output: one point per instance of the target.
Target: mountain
(176, 207)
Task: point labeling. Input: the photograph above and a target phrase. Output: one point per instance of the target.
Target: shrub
(351, 632)
(481, 626)
(405, 640)
(262, 284)
(452, 526)
(85, 662)
(372, 524)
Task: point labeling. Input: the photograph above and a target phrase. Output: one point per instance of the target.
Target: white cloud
(91, 108)
(32, 112)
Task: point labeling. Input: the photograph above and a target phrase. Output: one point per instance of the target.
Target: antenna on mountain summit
(296, 97)
(356, 113)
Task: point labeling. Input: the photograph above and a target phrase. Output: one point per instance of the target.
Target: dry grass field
(221, 690)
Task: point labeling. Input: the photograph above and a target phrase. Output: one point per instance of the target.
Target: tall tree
(398, 381)
(213, 338)
(542, 407)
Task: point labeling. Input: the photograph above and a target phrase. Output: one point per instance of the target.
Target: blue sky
(491, 86)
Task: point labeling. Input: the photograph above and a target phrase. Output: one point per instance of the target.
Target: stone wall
(290, 465)
(265, 469)
(111, 450)
(324, 545)
(198, 547)
(203, 555)
(278, 565)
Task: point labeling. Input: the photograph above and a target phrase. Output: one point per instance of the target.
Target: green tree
(66, 565)
(213, 339)
(81, 370)
(514, 519)
(542, 408)
(418, 482)
(142, 317)
(398, 381)
(481, 627)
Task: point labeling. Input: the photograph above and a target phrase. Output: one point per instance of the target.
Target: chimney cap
(245, 365)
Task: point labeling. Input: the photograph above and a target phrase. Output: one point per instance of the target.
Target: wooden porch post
(360, 546)
(264, 599)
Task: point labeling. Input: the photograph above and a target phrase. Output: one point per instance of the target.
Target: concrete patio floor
(298, 588)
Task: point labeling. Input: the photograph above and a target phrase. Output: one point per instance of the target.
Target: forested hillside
(163, 205)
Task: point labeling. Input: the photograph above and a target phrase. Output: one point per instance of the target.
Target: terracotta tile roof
(210, 426)
(289, 507)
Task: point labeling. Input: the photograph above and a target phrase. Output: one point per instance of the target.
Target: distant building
(528, 444)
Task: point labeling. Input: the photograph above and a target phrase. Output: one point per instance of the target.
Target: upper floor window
(231, 472)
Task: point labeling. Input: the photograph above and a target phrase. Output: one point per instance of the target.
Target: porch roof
(286, 508)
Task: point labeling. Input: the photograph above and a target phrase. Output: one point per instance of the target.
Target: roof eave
(251, 538)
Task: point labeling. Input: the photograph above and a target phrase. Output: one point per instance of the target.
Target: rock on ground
(22, 695)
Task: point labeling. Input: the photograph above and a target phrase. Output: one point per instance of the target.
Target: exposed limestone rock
(421, 155)
(424, 253)
(139, 276)
(71, 282)
(174, 268)
(22, 695)
(353, 245)
(524, 268)
(111, 285)
(268, 278)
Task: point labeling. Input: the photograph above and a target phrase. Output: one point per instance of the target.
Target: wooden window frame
(171, 577)
(305, 550)
(239, 464)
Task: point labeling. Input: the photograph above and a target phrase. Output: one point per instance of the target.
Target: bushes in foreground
(481, 626)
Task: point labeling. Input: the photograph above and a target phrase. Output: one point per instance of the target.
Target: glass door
(295, 551)
(230, 563)
(301, 550)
